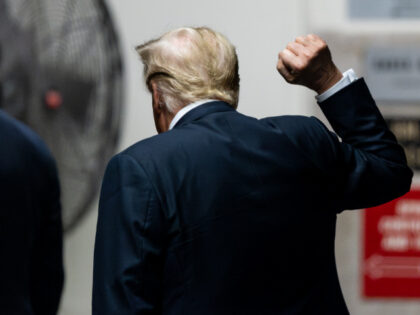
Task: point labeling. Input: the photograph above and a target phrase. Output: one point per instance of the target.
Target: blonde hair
(189, 64)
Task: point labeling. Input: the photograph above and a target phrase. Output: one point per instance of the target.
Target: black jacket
(31, 267)
(228, 214)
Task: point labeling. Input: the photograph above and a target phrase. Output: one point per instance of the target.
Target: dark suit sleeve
(129, 239)
(48, 274)
(367, 167)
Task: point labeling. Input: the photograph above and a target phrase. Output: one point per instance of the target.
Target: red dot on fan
(53, 99)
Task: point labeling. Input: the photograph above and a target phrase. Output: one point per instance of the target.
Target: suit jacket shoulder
(22, 147)
(30, 221)
(308, 135)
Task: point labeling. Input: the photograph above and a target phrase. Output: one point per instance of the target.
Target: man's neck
(184, 110)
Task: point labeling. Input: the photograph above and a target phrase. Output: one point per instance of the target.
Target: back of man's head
(189, 64)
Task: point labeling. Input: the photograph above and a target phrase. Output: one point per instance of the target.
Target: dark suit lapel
(203, 110)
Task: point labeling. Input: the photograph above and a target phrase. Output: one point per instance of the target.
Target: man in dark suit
(31, 267)
(222, 213)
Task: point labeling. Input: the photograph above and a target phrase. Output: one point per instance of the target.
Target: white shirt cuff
(348, 77)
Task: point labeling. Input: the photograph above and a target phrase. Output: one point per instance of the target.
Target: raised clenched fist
(307, 61)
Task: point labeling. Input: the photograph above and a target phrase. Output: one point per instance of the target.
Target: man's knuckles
(308, 54)
(292, 47)
(299, 55)
(299, 66)
(301, 40)
(314, 38)
(301, 60)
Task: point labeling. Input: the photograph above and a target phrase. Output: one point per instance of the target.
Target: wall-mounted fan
(61, 73)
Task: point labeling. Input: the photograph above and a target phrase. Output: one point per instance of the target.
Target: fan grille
(67, 49)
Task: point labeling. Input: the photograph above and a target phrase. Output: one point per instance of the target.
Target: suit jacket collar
(203, 110)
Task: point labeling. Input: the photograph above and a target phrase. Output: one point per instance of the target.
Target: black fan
(61, 73)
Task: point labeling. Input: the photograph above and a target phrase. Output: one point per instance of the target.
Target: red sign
(391, 260)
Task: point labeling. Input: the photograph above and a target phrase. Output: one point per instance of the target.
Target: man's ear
(157, 101)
